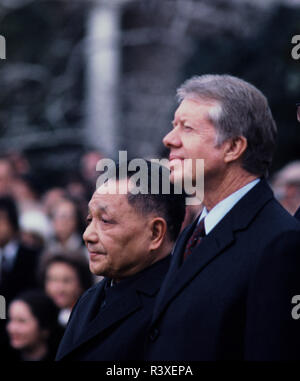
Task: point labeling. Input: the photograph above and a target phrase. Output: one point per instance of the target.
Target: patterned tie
(195, 238)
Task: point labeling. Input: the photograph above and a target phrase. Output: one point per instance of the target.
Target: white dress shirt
(218, 212)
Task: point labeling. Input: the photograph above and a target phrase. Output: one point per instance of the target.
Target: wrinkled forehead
(110, 194)
(197, 107)
(113, 186)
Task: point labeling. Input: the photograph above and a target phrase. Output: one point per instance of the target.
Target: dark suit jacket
(297, 214)
(115, 329)
(231, 298)
(22, 275)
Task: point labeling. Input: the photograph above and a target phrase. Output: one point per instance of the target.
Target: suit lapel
(211, 246)
(175, 261)
(108, 316)
(180, 245)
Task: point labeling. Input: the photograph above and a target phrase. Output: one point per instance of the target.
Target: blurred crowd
(286, 186)
(44, 264)
(43, 261)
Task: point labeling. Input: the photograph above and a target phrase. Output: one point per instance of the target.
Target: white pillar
(103, 72)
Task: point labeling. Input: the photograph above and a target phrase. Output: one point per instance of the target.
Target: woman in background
(32, 327)
(64, 279)
(68, 227)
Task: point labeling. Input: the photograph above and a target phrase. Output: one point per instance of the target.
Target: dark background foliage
(44, 92)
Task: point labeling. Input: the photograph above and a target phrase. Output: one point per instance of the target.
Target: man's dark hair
(170, 206)
(8, 205)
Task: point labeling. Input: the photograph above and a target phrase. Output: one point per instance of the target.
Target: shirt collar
(216, 214)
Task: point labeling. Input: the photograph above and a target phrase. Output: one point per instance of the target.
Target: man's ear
(234, 148)
(158, 226)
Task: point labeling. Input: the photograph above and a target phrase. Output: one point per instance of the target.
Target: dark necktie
(195, 238)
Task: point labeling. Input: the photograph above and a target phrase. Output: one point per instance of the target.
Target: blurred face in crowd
(23, 327)
(194, 137)
(19, 162)
(88, 166)
(7, 232)
(64, 220)
(51, 198)
(22, 191)
(289, 196)
(76, 190)
(118, 238)
(62, 284)
(6, 177)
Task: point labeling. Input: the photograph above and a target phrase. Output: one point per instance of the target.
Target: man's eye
(105, 221)
(187, 128)
(88, 220)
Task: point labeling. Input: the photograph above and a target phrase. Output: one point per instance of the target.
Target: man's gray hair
(240, 110)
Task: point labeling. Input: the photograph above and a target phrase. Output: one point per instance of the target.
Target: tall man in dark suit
(234, 272)
(129, 238)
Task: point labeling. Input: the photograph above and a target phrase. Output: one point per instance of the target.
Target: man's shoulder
(150, 279)
(278, 217)
(260, 207)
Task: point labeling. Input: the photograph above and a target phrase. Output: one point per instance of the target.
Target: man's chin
(96, 269)
(176, 178)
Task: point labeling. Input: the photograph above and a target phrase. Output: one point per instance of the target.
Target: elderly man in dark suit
(234, 272)
(129, 238)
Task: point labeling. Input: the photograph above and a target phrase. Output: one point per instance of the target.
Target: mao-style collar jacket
(110, 323)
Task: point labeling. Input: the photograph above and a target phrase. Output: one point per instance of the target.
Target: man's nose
(172, 139)
(90, 234)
